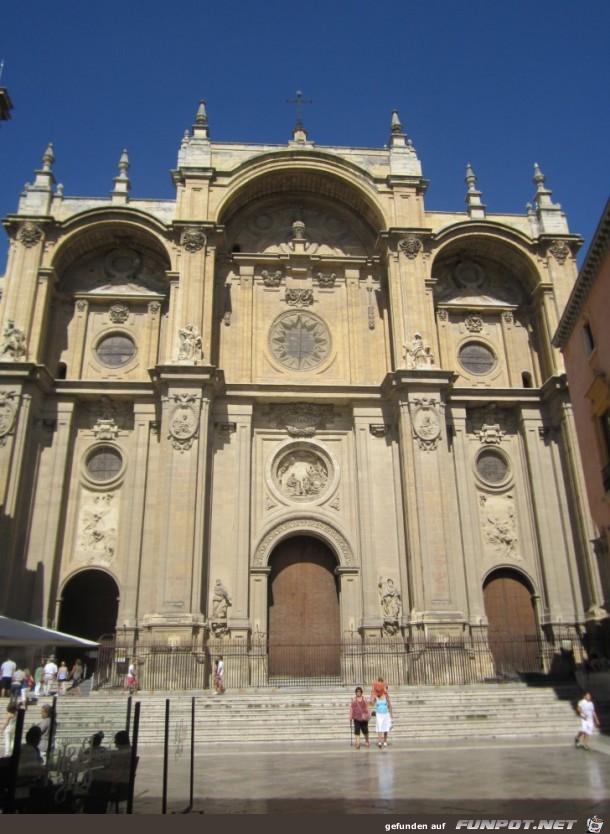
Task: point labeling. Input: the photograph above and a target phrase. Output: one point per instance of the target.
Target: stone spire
(44, 176)
(120, 192)
(550, 217)
(200, 128)
(476, 209)
(403, 158)
(36, 197)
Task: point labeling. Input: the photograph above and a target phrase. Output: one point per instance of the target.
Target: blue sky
(498, 84)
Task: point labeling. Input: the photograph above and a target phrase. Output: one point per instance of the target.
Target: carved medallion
(426, 423)
(183, 422)
(193, 239)
(302, 474)
(8, 411)
(560, 250)
(410, 245)
(473, 323)
(299, 341)
(30, 234)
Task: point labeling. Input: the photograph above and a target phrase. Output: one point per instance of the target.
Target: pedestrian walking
(360, 714)
(49, 674)
(219, 675)
(383, 719)
(7, 669)
(76, 675)
(131, 679)
(62, 678)
(588, 721)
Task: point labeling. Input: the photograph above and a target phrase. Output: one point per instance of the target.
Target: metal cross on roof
(299, 101)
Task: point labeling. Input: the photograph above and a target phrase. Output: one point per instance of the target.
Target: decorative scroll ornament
(302, 474)
(271, 279)
(326, 279)
(118, 313)
(417, 355)
(302, 419)
(410, 245)
(190, 344)
(473, 323)
(560, 250)
(8, 412)
(193, 239)
(184, 422)
(30, 234)
(299, 298)
(426, 423)
(13, 346)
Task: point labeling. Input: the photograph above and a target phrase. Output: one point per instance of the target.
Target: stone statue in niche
(220, 602)
(14, 344)
(389, 596)
(190, 343)
(417, 355)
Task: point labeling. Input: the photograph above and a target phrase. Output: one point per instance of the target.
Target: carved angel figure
(190, 342)
(389, 595)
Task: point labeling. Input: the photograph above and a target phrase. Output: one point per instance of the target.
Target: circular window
(114, 351)
(300, 341)
(104, 464)
(477, 358)
(492, 466)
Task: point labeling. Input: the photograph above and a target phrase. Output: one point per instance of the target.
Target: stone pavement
(544, 777)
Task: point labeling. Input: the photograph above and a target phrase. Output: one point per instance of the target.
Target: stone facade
(293, 347)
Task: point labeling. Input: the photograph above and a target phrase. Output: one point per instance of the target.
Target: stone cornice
(596, 254)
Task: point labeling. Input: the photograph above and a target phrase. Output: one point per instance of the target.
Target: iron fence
(417, 660)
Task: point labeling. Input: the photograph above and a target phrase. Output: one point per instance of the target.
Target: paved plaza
(543, 777)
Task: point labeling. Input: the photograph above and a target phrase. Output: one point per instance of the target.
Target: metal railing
(259, 662)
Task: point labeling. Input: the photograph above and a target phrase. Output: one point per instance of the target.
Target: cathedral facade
(290, 404)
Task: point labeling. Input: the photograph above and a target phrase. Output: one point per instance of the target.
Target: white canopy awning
(18, 633)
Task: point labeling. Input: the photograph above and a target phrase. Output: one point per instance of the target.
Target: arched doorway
(304, 621)
(512, 631)
(89, 605)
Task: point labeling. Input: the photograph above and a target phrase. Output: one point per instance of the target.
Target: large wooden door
(513, 633)
(304, 624)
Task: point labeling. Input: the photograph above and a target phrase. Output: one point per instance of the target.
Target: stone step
(267, 715)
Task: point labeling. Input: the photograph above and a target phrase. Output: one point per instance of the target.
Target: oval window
(477, 358)
(114, 351)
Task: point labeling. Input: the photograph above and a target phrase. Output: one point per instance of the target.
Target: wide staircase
(301, 715)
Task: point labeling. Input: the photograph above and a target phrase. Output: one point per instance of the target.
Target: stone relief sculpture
(391, 604)
(417, 355)
(426, 423)
(30, 234)
(477, 283)
(190, 344)
(106, 417)
(301, 419)
(98, 528)
(299, 298)
(499, 526)
(193, 239)
(118, 313)
(299, 340)
(410, 245)
(473, 323)
(8, 411)
(183, 421)
(301, 475)
(13, 345)
(491, 423)
(220, 604)
(271, 279)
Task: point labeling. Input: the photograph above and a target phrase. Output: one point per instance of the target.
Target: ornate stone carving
(473, 322)
(499, 526)
(98, 526)
(426, 423)
(193, 239)
(220, 602)
(107, 417)
(30, 234)
(305, 525)
(302, 474)
(184, 421)
(378, 429)
(301, 419)
(390, 600)
(326, 279)
(410, 245)
(81, 306)
(269, 503)
(299, 341)
(8, 412)
(490, 424)
(190, 344)
(417, 355)
(508, 316)
(226, 429)
(560, 250)
(336, 504)
(219, 630)
(442, 315)
(154, 307)
(13, 346)
(271, 279)
(118, 313)
(299, 298)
